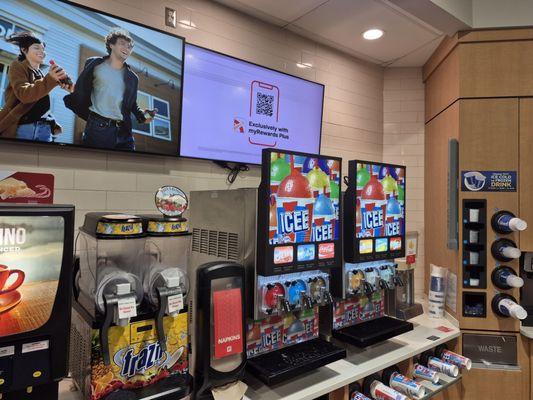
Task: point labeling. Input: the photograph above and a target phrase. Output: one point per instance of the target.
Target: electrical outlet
(170, 17)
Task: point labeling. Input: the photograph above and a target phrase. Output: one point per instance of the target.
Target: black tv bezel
(51, 145)
(265, 251)
(187, 44)
(351, 243)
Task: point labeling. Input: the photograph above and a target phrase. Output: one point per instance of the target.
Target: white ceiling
(408, 40)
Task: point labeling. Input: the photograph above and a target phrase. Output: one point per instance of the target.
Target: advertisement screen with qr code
(233, 109)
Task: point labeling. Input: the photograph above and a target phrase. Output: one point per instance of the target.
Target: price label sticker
(7, 351)
(35, 346)
(127, 308)
(175, 303)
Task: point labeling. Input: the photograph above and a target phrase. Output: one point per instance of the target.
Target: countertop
(428, 333)
(359, 362)
(526, 331)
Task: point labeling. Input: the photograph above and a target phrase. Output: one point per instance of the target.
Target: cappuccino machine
(35, 299)
(374, 235)
(129, 317)
(287, 236)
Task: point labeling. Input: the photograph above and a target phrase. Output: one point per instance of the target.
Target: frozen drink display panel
(299, 209)
(374, 212)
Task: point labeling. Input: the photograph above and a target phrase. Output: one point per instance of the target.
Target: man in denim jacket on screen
(105, 96)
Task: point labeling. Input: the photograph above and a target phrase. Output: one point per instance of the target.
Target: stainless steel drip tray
(358, 355)
(374, 331)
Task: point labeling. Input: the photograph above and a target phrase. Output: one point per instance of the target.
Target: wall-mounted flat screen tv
(233, 109)
(71, 75)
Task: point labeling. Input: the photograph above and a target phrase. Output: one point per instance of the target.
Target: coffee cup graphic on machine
(6, 284)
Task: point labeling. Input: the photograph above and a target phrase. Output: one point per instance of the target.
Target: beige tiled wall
(403, 143)
(352, 127)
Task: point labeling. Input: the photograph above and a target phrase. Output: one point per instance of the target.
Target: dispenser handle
(398, 281)
(327, 298)
(104, 330)
(369, 289)
(162, 299)
(284, 304)
(306, 302)
(75, 277)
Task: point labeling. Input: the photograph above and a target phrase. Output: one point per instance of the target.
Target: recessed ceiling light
(304, 65)
(373, 34)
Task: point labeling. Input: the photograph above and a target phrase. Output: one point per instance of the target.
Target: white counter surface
(358, 364)
(526, 331)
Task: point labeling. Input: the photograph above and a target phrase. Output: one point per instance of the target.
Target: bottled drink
(450, 357)
(65, 81)
(403, 384)
(506, 222)
(505, 278)
(356, 392)
(428, 374)
(380, 391)
(428, 359)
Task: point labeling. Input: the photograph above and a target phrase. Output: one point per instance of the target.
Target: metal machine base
(42, 392)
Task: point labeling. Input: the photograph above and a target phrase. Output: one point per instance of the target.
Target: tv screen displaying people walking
(72, 75)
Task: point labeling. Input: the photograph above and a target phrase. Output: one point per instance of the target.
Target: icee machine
(374, 235)
(287, 234)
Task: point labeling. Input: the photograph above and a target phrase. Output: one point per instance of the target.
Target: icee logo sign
(474, 181)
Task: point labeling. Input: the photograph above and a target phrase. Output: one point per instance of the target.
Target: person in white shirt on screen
(105, 96)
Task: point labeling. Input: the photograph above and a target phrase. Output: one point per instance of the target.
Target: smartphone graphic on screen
(264, 101)
(264, 106)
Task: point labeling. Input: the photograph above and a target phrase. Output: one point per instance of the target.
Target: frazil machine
(129, 318)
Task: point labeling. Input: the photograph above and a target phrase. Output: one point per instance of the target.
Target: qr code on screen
(263, 104)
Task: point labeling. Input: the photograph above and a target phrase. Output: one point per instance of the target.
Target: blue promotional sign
(488, 181)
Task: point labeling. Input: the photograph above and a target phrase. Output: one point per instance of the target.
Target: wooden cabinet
(525, 178)
(479, 86)
(489, 141)
(486, 383)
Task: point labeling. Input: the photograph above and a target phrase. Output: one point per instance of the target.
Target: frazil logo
(127, 228)
(136, 364)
